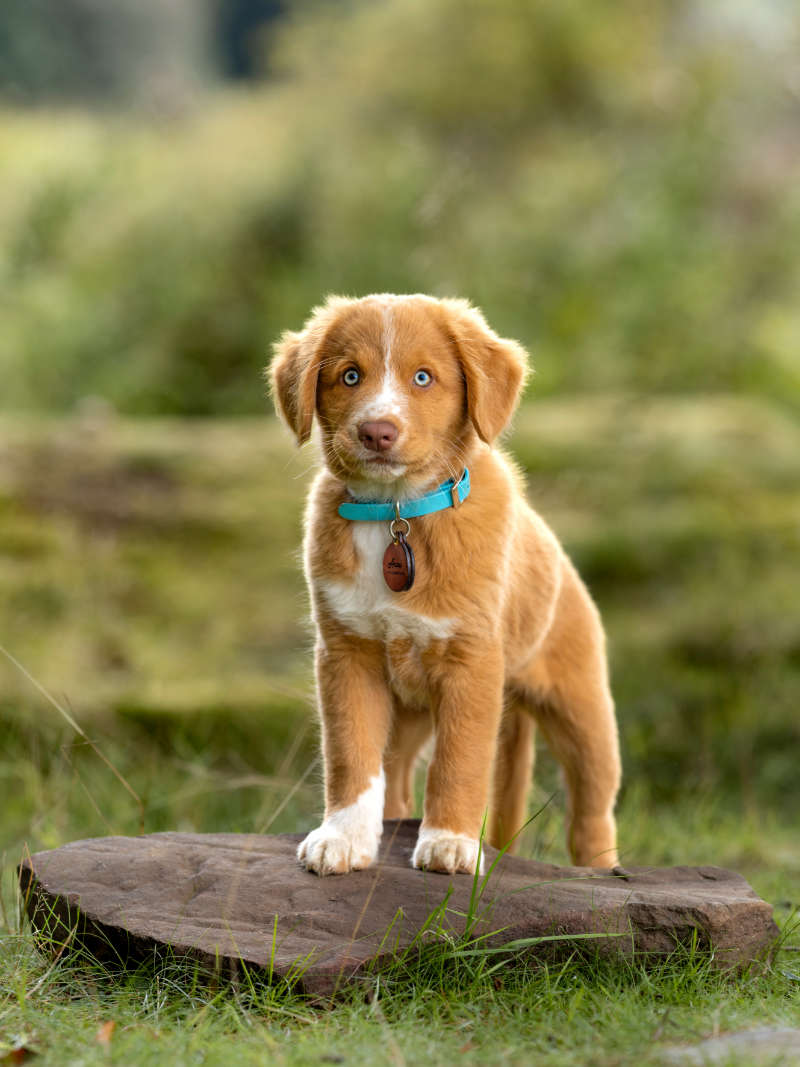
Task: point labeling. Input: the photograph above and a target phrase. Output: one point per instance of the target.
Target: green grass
(149, 581)
(149, 574)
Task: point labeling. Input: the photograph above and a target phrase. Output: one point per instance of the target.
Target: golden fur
(497, 635)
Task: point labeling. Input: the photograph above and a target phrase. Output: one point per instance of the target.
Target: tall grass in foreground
(422, 1007)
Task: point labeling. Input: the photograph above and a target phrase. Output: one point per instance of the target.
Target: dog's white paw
(328, 850)
(348, 838)
(441, 850)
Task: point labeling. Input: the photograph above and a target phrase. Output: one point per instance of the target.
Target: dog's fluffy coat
(497, 634)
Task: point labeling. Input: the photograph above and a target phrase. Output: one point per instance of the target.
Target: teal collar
(449, 495)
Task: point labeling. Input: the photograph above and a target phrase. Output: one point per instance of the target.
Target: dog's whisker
(440, 457)
(304, 473)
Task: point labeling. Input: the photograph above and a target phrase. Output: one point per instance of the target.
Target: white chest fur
(367, 607)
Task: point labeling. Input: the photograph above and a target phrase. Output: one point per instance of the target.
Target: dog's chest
(365, 605)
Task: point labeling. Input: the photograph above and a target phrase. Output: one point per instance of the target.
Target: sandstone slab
(772, 1046)
(233, 899)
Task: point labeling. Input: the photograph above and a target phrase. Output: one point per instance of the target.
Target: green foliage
(614, 186)
(483, 75)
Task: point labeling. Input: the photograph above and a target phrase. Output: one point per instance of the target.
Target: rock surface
(215, 897)
(769, 1045)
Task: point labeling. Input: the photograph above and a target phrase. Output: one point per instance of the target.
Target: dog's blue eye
(422, 378)
(351, 376)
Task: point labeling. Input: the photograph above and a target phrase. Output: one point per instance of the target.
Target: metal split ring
(398, 518)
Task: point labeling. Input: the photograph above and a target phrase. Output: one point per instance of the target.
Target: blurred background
(616, 185)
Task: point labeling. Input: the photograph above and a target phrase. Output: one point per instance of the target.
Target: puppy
(443, 604)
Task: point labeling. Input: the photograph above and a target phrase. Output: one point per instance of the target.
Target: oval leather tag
(398, 565)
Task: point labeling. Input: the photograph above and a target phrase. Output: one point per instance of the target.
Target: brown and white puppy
(497, 633)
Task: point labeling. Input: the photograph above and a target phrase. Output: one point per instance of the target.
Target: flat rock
(768, 1045)
(215, 897)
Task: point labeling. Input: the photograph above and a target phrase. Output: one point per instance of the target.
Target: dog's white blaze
(442, 848)
(388, 332)
(364, 604)
(348, 838)
(390, 400)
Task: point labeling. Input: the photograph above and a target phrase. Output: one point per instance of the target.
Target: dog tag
(398, 565)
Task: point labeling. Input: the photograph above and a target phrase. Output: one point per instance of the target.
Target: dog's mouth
(382, 466)
(363, 464)
(385, 473)
(386, 463)
(380, 461)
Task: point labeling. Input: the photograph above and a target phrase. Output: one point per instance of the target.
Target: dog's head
(399, 384)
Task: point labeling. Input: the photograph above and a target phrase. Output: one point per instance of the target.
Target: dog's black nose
(377, 436)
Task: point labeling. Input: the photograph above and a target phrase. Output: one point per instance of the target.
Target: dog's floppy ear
(294, 370)
(293, 376)
(494, 368)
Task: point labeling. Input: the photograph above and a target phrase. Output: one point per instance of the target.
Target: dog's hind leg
(410, 730)
(571, 699)
(580, 731)
(511, 780)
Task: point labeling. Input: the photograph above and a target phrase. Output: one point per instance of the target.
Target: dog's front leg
(469, 699)
(355, 707)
